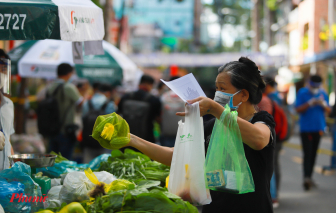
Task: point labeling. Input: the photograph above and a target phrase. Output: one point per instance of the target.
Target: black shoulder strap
(131, 95)
(273, 107)
(57, 89)
(90, 104)
(105, 105)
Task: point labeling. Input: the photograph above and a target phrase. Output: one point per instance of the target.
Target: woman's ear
(245, 95)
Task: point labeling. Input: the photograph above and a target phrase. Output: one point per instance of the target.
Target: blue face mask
(226, 98)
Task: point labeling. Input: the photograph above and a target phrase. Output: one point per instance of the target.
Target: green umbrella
(39, 59)
(70, 20)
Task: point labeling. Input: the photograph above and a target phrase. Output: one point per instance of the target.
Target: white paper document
(186, 87)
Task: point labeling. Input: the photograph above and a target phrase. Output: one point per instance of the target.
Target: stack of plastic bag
(111, 131)
(21, 173)
(226, 167)
(55, 182)
(95, 163)
(6, 192)
(67, 166)
(57, 169)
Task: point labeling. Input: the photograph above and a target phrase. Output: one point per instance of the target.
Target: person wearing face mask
(311, 104)
(6, 118)
(240, 85)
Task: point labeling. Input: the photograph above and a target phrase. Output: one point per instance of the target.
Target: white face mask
(315, 91)
(226, 98)
(2, 80)
(5, 75)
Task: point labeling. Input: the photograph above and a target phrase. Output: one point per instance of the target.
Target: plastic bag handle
(91, 176)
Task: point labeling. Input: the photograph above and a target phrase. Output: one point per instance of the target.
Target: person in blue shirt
(311, 104)
(271, 90)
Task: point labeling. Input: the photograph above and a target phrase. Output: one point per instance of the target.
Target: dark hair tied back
(245, 74)
(262, 85)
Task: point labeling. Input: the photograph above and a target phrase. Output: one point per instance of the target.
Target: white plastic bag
(76, 186)
(105, 177)
(53, 197)
(186, 178)
(55, 182)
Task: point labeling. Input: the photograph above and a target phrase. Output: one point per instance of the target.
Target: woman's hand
(158, 153)
(132, 141)
(207, 106)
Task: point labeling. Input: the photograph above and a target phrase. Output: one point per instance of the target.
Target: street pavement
(292, 197)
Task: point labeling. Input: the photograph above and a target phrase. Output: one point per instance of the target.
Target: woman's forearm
(255, 136)
(158, 153)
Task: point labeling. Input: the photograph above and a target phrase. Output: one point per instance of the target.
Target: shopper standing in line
(311, 104)
(68, 98)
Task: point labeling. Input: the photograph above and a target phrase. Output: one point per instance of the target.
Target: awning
(320, 57)
(202, 60)
(69, 20)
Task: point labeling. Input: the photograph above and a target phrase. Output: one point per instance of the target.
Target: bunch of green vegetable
(146, 196)
(132, 165)
(142, 196)
(111, 131)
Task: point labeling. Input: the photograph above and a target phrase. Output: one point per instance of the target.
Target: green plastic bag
(226, 167)
(111, 131)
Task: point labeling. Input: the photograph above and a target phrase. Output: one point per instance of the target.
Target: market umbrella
(69, 20)
(39, 59)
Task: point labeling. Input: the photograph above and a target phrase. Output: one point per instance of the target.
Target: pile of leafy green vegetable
(143, 196)
(132, 165)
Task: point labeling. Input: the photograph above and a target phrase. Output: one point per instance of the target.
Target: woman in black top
(238, 84)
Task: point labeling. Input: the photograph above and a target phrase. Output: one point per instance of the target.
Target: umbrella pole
(108, 13)
(19, 115)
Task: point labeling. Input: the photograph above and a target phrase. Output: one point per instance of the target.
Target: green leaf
(171, 195)
(137, 191)
(148, 183)
(59, 157)
(116, 153)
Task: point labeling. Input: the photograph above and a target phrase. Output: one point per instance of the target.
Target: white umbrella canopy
(69, 20)
(39, 59)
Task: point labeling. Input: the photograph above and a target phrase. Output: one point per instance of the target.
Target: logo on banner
(34, 69)
(80, 20)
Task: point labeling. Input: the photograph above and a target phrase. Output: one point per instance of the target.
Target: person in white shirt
(6, 124)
